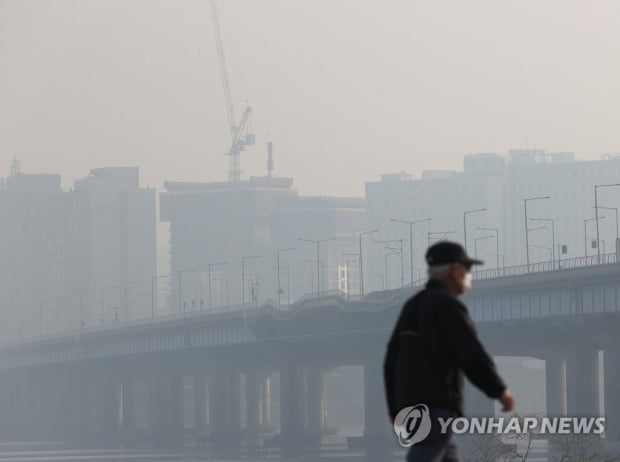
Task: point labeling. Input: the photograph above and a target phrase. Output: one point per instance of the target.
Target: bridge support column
(611, 369)
(234, 402)
(582, 371)
(158, 406)
(316, 403)
(265, 402)
(6, 406)
(166, 404)
(200, 404)
(128, 411)
(253, 405)
(217, 404)
(22, 395)
(378, 431)
(177, 403)
(77, 406)
(48, 405)
(555, 379)
(292, 402)
(107, 404)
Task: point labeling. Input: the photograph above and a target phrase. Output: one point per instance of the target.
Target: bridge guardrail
(517, 270)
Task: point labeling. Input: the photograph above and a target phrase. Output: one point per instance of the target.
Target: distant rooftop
(253, 183)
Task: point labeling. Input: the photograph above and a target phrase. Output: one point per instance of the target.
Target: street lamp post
(476, 243)
(585, 237)
(535, 229)
(410, 223)
(527, 242)
(243, 259)
(318, 268)
(347, 264)
(615, 209)
(465, 223)
(386, 268)
(433, 234)
(362, 260)
(598, 249)
(278, 265)
(209, 266)
(496, 231)
(397, 251)
(552, 221)
(348, 279)
(551, 252)
(126, 296)
(153, 293)
(103, 289)
(180, 288)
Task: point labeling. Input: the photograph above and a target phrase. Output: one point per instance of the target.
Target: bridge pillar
(21, 395)
(76, 402)
(128, 411)
(166, 407)
(555, 379)
(234, 402)
(611, 369)
(224, 404)
(265, 401)
(316, 403)
(177, 403)
(378, 430)
(158, 405)
(200, 404)
(6, 406)
(107, 406)
(582, 377)
(217, 404)
(292, 402)
(253, 405)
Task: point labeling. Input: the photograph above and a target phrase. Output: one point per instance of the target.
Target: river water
(333, 450)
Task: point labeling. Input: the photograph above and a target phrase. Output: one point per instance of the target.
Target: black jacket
(433, 344)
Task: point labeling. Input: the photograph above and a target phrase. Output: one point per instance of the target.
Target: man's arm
(465, 347)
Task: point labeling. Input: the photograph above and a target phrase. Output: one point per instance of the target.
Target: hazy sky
(346, 90)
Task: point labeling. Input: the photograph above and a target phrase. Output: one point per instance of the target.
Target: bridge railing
(315, 298)
(189, 315)
(539, 267)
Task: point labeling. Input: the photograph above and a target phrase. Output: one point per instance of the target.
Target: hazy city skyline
(407, 87)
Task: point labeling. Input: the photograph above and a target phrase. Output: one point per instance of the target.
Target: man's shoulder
(439, 298)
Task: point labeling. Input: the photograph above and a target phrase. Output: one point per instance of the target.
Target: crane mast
(240, 133)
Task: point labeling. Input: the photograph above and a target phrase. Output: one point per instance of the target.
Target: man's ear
(454, 271)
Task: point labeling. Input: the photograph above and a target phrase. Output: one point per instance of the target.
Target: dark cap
(446, 252)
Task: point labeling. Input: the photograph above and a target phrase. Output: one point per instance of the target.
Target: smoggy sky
(346, 89)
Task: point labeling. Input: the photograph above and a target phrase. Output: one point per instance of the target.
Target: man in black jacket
(433, 344)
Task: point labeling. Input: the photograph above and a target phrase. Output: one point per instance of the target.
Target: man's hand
(508, 400)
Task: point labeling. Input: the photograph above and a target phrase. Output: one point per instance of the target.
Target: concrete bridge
(219, 370)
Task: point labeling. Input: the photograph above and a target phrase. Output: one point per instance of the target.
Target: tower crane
(241, 132)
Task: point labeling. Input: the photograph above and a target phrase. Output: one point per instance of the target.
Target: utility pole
(465, 224)
(361, 260)
(410, 223)
(211, 265)
(318, 268)
(278, 266)
(527, 242)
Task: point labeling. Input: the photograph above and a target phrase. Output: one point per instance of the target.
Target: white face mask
(467, 281)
